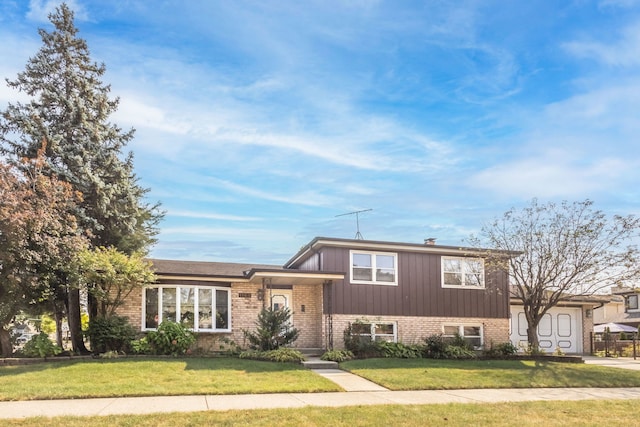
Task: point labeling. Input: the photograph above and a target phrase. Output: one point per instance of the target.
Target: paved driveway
(613, 362)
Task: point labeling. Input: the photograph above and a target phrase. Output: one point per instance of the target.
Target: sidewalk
(148, 405)
(358, 391)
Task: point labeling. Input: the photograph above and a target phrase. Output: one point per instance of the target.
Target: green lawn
(522, 414)
(156, 377)
(429, 374)
(191, 376)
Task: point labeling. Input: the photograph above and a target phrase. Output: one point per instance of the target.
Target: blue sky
(258, 122)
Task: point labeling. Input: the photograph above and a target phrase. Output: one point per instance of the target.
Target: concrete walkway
(148, 405)
(358, 391)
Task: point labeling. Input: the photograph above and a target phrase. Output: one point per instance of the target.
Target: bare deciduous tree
(565, 249)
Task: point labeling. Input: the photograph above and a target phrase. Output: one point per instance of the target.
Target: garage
(560, 328)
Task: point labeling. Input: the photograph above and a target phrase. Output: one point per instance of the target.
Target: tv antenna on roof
(356, 213)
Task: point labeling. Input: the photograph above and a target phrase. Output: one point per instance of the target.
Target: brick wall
(587, 329)
(413, 330)
(132, 309)
(312, 324)
(309, 321)
(244, 313)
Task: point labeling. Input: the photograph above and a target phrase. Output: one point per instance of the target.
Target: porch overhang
(292, 277)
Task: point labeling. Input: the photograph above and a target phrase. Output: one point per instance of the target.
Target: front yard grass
(522, 414)
(156, 377)
(430, 374)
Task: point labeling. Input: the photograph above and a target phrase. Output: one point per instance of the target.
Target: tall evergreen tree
(70, 108)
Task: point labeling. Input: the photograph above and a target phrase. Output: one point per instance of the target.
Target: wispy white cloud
(305, 198)
(623, 52)
(39, 10)
(551, 176)
(210, 215)
(258, 122)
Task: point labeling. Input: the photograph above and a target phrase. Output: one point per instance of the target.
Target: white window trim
(373, 268)
(463, 286)
(195, 301)
(372, 330)
(461, 327)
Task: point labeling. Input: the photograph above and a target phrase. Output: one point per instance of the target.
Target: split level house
(401, 292)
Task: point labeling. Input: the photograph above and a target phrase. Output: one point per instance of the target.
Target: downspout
(328, 291)
(591, 344)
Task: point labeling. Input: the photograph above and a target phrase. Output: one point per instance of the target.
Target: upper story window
(462, 272)
(632, 302)
(377, 268)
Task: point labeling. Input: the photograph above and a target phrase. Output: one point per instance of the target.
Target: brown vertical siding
(419, 291)
(311, 264)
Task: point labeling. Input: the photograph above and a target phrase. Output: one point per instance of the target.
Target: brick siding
(413, 330)
(244, 313)
(312, 324)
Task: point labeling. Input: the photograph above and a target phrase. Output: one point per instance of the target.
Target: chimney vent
(430, 241)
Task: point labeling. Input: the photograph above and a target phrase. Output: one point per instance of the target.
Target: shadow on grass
(231, 363)
(463, 364)
(496, 373)
(191, 363)
(50, 363)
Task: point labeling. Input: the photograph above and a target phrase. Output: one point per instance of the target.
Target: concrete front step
(319, 364)
(311, 352)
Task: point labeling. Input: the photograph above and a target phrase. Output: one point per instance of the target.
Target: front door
(281, 298)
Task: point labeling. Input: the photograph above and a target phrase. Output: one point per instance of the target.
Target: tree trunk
(6, 349)
(75, 323)
(532, 336)
(58, 319)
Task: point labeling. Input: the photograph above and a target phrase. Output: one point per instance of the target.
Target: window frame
(374, 270)
(628, 303)
(463, 272)
(196, 306)
(461, 327)
(372, 329)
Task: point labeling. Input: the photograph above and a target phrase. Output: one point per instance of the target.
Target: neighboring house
(395, 291)
(623, 307)
(566, 327)
(23, 332)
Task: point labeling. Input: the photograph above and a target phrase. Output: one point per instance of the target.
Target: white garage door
(561, 328)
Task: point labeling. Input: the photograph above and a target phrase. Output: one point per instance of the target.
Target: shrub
(457, 352)
(113, 333)
(360, 345)
(459, 341)
(337, 355)
(171, 338)
(436, 347)
(534, 351)
(628, 350)
(501, 350)
(229, 347)
(399, 350)
(141, 346)
(439, 347)
(282, 355)
(273, 330)
(40, 346)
